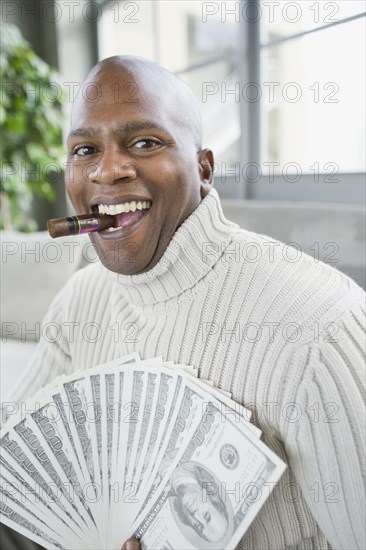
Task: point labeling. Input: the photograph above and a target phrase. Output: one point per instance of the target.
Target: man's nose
(110, 170)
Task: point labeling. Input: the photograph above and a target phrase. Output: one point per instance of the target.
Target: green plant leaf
(30, 122)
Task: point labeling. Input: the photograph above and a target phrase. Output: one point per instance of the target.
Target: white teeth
(119, 208)
(113, 209)
(113, 229)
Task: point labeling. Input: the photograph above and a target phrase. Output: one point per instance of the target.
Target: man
(169, 270)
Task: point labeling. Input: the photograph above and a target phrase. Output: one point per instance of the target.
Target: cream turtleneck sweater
(281, 332)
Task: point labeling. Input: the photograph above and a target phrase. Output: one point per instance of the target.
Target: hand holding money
(145, 441)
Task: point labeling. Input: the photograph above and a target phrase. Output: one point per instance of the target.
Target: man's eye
(207, 516)
(83, 151)
(146, 143)
(198, 526)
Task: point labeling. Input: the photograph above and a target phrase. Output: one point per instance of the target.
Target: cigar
(74, 225)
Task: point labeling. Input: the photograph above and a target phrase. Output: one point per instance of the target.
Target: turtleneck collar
(193, 250)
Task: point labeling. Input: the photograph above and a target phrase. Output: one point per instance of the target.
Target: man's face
(127, 150)
(203, 517)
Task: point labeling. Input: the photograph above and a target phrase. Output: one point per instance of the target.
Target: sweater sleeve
(325, 438)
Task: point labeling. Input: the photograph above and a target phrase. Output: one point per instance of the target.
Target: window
(313, 90)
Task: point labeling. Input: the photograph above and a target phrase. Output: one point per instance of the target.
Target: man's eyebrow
(83, 132)
(133, 126)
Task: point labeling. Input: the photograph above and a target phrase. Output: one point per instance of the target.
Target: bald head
(155, 82)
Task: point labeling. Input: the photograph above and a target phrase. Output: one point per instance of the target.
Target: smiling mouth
(125, 214)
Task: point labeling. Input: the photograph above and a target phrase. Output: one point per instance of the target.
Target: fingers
(131, 544)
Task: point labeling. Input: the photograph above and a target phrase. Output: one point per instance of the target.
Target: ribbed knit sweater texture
(282, 332)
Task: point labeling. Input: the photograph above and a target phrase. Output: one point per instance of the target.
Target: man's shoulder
(270, 255)
(284, 275)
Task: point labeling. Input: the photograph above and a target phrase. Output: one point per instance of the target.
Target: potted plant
(30, 128)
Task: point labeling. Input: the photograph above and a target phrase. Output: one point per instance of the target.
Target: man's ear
(206, 168)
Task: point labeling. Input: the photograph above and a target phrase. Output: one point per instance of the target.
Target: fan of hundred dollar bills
(133, 448)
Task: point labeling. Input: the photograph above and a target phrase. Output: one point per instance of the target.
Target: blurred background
(282, 92)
